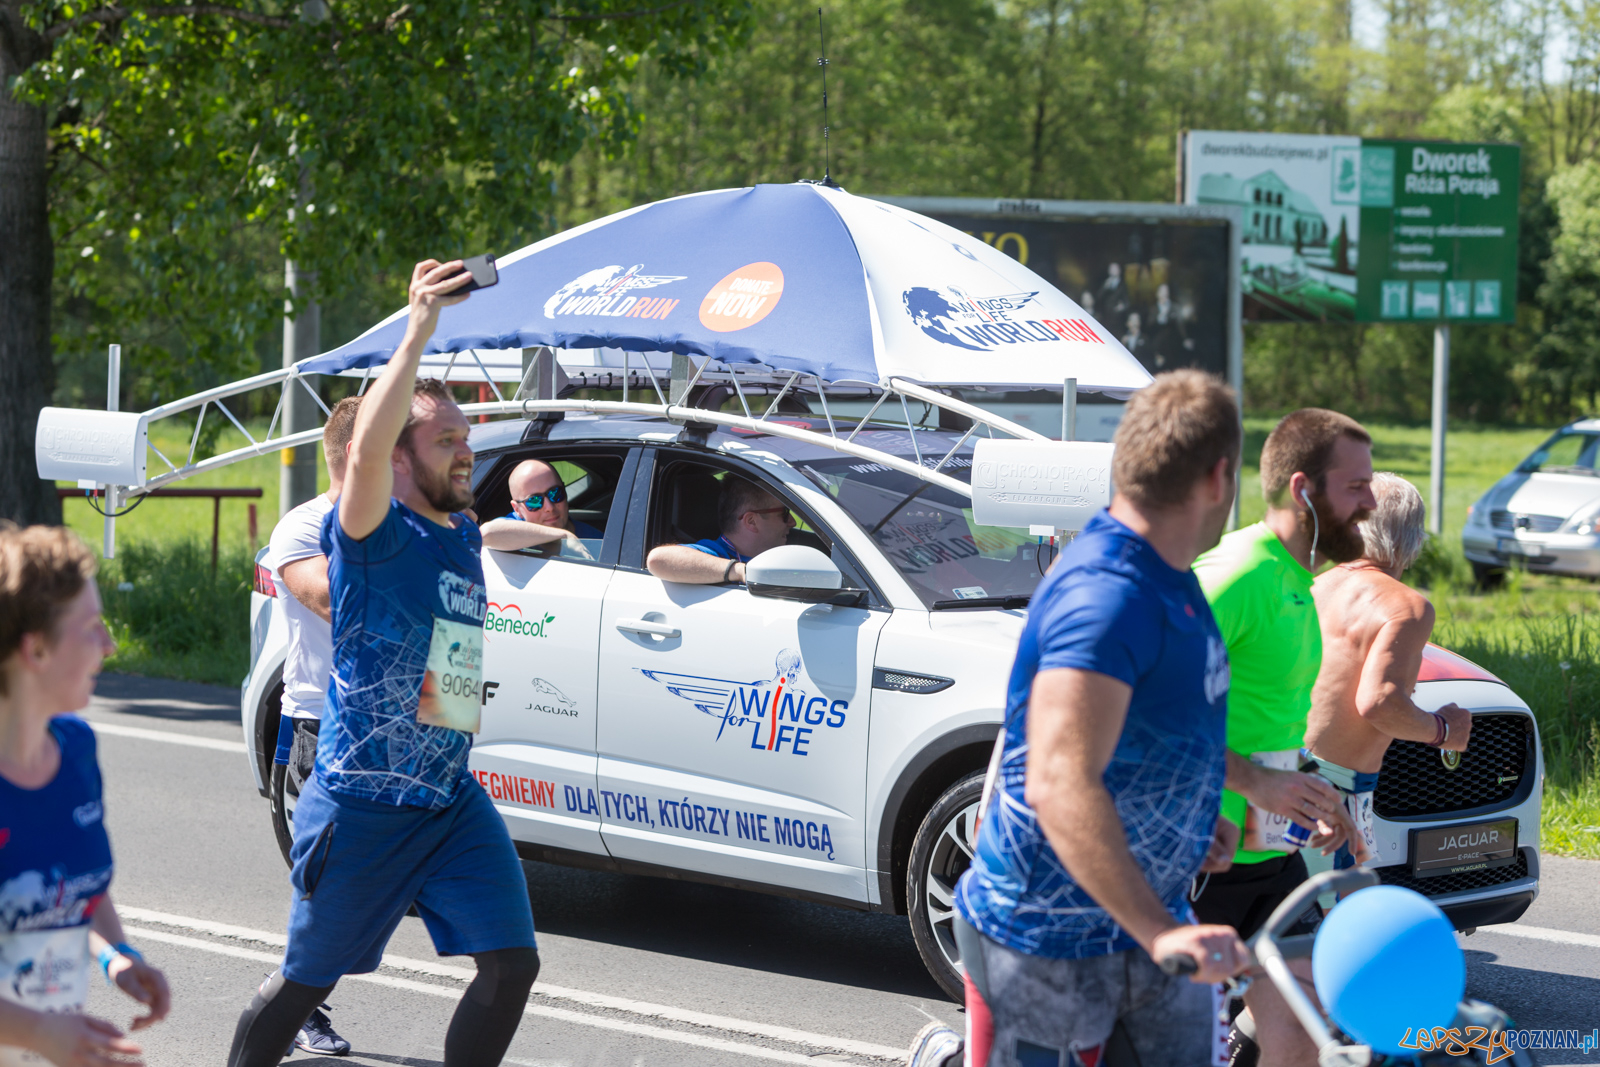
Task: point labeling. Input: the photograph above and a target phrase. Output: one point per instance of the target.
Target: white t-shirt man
(310, 659)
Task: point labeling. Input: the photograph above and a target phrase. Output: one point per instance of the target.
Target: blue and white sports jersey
(386, 592)
(1113, 606)
(55, 869)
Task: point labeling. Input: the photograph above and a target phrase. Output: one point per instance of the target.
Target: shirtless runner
(1374, 628)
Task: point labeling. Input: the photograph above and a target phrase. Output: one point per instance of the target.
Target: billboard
(1160, 284)
(1351, 229)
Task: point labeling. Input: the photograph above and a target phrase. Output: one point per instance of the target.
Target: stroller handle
(1285, 914)
(1271, 958)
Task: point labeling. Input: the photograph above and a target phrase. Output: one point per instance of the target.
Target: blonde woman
(56, 916)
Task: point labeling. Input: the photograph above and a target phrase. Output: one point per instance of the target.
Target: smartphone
(483, 271)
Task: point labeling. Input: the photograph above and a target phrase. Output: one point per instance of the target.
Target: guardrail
(216, 496)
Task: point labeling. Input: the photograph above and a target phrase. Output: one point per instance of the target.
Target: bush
(172, 617)
(1441, 566)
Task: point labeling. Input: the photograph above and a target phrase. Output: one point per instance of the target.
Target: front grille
(1498, 761)
(1455, 883)
(1513, 520)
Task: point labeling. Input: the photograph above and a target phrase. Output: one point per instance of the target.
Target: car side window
(683, 509)
(595, 497)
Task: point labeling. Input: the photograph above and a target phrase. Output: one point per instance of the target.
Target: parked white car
(824, 743)
(1545, 515)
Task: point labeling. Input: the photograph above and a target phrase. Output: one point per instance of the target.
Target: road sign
(1349, 229)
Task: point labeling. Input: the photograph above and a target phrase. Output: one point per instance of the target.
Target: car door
(733, 728)
(535, 754)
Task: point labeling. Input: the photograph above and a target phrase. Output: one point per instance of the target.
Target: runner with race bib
(56, 916)
(392, 817)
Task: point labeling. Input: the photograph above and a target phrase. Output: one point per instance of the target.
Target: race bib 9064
(452, 687)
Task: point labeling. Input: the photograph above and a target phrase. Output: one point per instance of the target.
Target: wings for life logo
(781, 714)
(609, 291)
(743, 298)
(460, 595)
(954, 316)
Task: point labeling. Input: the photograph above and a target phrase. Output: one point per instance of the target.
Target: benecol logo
(606, 291)
(781, 713)
(507, 619)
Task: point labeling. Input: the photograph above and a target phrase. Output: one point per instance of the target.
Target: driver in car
(539, 516)
(751, 519)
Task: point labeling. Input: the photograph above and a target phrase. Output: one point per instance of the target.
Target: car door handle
(654, 629)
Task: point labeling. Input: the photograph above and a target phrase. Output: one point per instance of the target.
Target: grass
(173, 618)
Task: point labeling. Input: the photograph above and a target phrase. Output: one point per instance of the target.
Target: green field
(172, 618)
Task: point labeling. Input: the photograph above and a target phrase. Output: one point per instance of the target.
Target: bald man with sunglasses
(539, 517)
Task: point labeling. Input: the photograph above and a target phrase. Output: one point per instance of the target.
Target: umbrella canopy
(796, 277)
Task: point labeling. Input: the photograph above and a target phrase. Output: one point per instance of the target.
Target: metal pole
(297, 480)
(113, 403)
(1069, 410)
(1441, 411)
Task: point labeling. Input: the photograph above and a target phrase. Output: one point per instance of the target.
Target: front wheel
(940, 853)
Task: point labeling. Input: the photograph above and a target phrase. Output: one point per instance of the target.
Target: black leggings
(480, 1031)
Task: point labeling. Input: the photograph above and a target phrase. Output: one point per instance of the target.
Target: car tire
(280, 798)
(1487, 576)
(940, 853)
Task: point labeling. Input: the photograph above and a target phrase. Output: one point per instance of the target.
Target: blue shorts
(360, 864)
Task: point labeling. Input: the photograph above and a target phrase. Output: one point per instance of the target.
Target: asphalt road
(635, 970)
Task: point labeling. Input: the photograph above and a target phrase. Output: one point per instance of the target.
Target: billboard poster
(1159, 285)
(1350, 229)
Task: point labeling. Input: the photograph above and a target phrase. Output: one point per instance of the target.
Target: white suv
(829, 746)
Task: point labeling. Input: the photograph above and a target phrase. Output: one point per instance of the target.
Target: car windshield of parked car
(1568, 452)
(928, 532)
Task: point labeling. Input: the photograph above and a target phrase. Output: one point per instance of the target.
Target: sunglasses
(784, 512)
(555, 495)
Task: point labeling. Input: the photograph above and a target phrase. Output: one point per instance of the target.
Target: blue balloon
(1385, 962)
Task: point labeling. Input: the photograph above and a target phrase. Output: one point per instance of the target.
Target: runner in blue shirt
(1111, 773)
(392, 817)
(56, 915)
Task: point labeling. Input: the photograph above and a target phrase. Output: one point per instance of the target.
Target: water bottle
(1297, 836)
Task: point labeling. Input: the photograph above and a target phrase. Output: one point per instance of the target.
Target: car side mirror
(794, 572)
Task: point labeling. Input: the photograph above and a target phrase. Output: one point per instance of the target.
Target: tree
(184, 149)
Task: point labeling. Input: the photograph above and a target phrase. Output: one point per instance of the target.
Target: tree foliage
(193, 147)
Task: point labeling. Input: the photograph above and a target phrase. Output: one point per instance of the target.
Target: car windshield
(1568, 452)
(927, 532)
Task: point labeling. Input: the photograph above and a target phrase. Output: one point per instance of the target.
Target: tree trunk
(27, 373)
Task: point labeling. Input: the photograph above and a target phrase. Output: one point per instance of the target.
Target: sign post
(1441, 412)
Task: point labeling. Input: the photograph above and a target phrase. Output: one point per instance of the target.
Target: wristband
(727, 572)
(111, 952)
(1441, 732)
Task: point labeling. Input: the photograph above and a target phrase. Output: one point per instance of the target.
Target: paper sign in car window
(743, 298)
(452, 687)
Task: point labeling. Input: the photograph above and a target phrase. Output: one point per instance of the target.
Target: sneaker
(317, 1035)
(936, 1045)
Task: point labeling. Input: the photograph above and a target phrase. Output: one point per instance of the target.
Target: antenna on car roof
(822, 61)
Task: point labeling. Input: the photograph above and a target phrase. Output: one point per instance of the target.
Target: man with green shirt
(1316, 476)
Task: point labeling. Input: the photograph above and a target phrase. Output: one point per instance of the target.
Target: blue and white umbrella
(799, 278)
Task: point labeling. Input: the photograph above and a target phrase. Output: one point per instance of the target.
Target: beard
(1338, 540)
(438, 490)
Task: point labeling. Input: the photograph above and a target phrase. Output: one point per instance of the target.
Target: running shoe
(317, 1035)
(936, 1045)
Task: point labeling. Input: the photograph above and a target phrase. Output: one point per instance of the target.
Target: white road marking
(561, 1014)
(465, 974)
(169, 736)
(1543, 933)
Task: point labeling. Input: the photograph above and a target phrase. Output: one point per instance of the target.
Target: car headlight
(1586, 520)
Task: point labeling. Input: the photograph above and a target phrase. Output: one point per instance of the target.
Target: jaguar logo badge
(1451, 760)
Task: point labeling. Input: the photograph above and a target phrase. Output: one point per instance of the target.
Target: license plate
(1457, 849)
(1510, 547)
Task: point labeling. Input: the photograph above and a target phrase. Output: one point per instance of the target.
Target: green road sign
(1343, 229)
(1438, 225)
